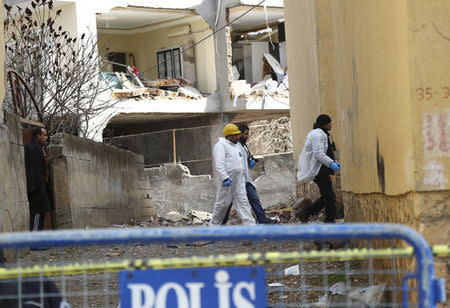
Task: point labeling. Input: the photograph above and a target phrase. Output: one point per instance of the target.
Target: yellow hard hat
(231, 129)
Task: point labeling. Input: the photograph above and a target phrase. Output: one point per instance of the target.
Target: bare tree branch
(62, 71)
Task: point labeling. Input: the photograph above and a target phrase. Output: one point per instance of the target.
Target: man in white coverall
(229, 164)
(316, 163)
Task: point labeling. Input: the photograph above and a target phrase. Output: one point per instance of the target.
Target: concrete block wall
(96, 184)
(173, 188)
(13, 191)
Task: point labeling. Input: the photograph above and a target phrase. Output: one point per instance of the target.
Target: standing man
(316, 163)
(37, 176)
(250, 187)
(229, 166)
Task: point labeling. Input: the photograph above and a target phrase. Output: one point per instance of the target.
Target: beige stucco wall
(144, 46)
(13, 188)
(303, 70)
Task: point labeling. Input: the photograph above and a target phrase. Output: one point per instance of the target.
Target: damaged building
(179, 74)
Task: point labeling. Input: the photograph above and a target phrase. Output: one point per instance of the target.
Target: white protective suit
(313, 155)
(229, 163)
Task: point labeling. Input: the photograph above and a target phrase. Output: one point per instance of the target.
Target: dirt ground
(101, 289)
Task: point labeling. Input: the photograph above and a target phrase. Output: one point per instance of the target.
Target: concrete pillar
(223, 61)
(380, 68)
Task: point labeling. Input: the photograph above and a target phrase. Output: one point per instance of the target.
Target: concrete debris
(200, 243)
(235, 72)
(284, 84)
(276, 284)
(169, 82)
(261, 85)
(271, 136)
(271, 85)
(171, 88)
(172, 216)
(114, 252)
(276, 66)
(293, 270)
(340, 294)
(201, 216)
(190, 92)
(240, 87)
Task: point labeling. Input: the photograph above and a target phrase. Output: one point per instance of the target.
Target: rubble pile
(170, 88)
(271, 136)
(266, 87)
(286, 213)
(172, 218)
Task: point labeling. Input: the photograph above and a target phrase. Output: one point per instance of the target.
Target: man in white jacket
(316, 163)
(229, 164)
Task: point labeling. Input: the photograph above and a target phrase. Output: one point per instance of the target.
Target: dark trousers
(37, 221)
(327, 198)
(253, 199)
(256, 205)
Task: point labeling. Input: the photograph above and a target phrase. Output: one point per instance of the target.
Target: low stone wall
(14, 213)
(95, 184)
(173, 188)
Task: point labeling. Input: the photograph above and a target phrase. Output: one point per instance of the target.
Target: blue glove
(227, 182)
(252, 163)
(335, 166)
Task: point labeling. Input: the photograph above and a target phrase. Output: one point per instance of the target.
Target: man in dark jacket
(37, 176)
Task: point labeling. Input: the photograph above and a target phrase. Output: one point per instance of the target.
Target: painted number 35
(428, 93)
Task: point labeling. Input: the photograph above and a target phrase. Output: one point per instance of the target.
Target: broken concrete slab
(201, 215)
(293, 270)
(276, 66)
(340, 294)
(172, 216)
(190, 92)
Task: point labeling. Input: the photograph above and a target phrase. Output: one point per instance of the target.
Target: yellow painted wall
(429, 40)
(145, 45)
(301, 43)
(363, 77)
(372, 97)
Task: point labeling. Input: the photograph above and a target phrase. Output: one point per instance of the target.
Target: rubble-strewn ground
(102, 288)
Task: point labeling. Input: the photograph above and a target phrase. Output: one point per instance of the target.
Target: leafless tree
(62, 71)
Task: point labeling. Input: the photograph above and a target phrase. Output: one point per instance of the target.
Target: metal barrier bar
(429, 288)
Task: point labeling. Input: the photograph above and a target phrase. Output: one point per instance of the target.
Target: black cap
(322, 120)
